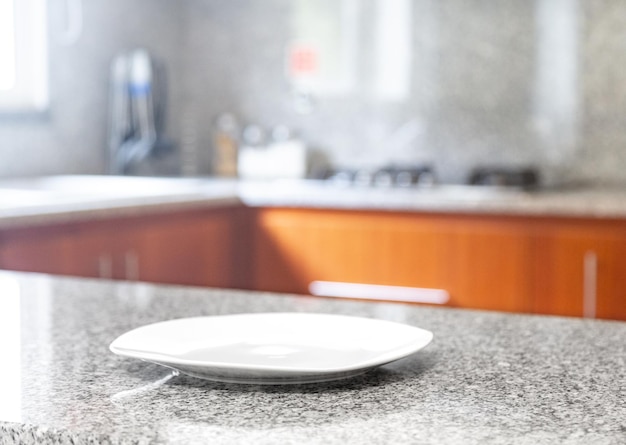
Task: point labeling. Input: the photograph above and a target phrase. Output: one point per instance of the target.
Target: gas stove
(526, 178)
(384, 177)
(424, 176)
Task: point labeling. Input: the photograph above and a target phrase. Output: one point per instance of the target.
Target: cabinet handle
(590, 284)
(379, 292)
(131, 265)
(105, 266)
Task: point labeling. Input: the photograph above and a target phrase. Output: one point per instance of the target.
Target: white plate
(272, 348)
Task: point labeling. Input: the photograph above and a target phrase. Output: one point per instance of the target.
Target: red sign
(303, 60)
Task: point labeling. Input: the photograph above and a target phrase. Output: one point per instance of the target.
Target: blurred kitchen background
(453, 84)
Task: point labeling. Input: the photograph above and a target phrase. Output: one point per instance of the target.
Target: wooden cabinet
(194, 248)
(580, 268)
(295, 247)
(560, 266)
(481, 262)
(46, 250)
(490, 261)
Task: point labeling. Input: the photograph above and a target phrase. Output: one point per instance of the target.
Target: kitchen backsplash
(365, 83)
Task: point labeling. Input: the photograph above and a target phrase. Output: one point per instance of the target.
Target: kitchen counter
(576, 201)
(34, 201)
(487, 377)
(61, 199)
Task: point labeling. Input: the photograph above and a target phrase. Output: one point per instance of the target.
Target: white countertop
(31, 201)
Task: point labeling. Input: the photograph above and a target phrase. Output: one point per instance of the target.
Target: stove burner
(384, 177)
(526, 177)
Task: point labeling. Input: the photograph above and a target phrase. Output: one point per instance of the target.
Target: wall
(71, 137)
(454, 83)
(512, 82)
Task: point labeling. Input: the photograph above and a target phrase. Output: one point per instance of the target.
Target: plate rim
(385, 357)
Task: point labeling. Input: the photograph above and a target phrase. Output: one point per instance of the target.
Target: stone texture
(512, 83)
(587, 202)
(487, 377)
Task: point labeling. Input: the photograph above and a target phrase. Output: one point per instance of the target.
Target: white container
(279, 160)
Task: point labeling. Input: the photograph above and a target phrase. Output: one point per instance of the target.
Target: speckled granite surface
(487, 378)
(38, 201)
(58, 207)
(578, 201)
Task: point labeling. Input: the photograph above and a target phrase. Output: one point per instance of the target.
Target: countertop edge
(589, 203)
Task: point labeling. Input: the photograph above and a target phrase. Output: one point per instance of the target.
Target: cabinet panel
(580, 270)
(193, 251)
(295, 247)
(92, 254)
(482, 263)
(31, 251)
(491, 261)
(195, 248)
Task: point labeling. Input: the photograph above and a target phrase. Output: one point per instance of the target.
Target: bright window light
(7, 45)
(394, 49)
(23, 56)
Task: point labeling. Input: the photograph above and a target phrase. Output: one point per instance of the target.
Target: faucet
(136, 111)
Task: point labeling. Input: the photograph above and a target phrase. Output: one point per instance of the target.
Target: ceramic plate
(272, 348)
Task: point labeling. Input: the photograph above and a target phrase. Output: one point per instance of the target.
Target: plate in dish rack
(272, 348)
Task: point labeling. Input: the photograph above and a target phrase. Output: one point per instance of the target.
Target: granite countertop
(67, 198)
(487, 377)
(599, 201)
(34, 201)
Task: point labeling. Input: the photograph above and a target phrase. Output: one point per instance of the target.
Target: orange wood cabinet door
(580, 269)
(37, 250)
(194, 248)
(296, 247)
(490, 258)
(481, 262)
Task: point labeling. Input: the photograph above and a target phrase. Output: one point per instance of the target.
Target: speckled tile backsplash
(452, 83)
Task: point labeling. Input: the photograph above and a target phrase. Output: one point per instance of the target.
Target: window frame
(30, 90)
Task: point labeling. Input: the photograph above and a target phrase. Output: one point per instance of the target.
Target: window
(7, 45)
(23, 56)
